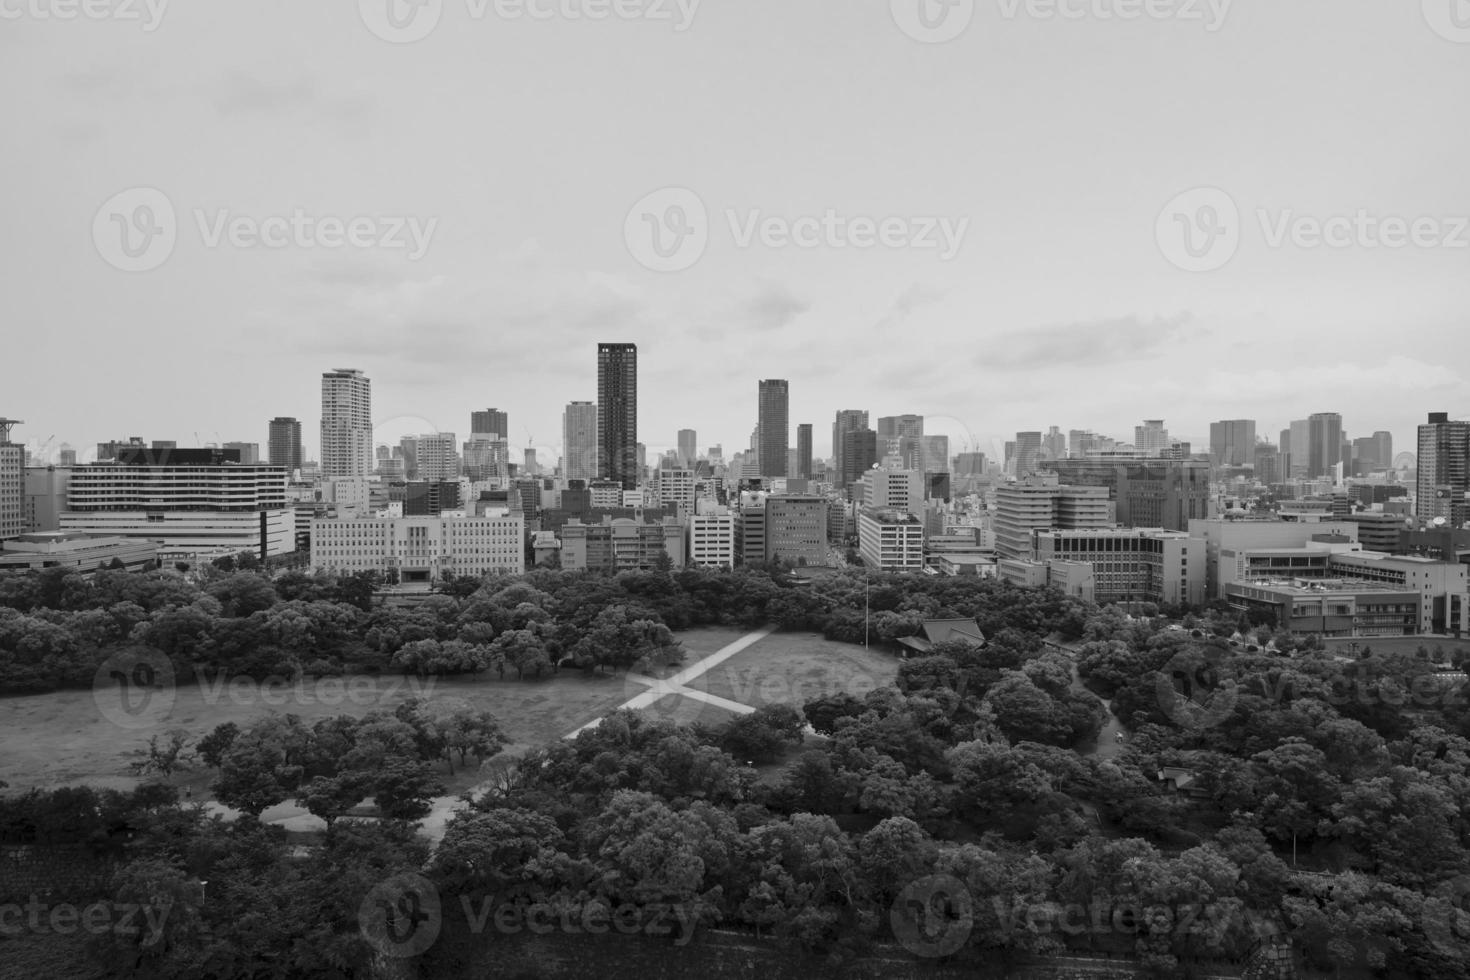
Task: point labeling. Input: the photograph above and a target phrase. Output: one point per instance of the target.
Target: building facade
(1038, 505)
(890, 540)
(623, 544)
(12, 484)
(579, 441)
(617, 414)
(712, 540)
(420, 549)
(1444, 471)
(796, 529)
(804, 451)
(347, 423)
(774, 427)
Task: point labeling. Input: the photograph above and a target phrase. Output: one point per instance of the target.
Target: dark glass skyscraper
(283, 448)
(617, 413)
(804, 451)
(775, 427)
(1324, 449)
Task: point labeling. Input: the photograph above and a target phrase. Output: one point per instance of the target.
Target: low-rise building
(1330, 608)
(83, 553)
(1132, 564)
(890, 540)
(796, 529)
(622, 544)
(420, 549)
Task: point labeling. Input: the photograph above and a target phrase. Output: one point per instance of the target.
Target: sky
(1001, 214)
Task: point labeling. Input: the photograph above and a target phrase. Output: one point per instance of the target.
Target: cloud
(291, 93)
(774, 307)
(1090, 342)
(915, 296)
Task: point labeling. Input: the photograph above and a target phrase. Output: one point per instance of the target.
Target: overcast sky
(519, 147)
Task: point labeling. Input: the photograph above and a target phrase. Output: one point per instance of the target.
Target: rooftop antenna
(5, 427)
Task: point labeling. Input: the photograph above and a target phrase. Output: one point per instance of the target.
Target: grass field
(793, 668)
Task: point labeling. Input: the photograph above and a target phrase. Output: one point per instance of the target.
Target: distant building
(579, 441)
(437, 457)
(774, 429)
(420, 549)
(490, 424)
(796, 529)
(849, 420)
(83, 553)
(249, 451)
(621, 545)
(888, 489)
(617, 414)
(45, 497)
(1444, 471)
(1233, 442)
(1151, 438)
(1027, 454)
(347, 423)
(675, 487)
(859, 454)
(890, 540)
(804, 451)
(688, 448)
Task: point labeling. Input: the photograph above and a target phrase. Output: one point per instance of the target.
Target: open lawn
(793, 668)
(66, 737)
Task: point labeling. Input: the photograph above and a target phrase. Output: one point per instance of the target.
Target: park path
(296, 818)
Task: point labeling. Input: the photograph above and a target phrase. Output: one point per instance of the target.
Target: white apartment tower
(347, 424)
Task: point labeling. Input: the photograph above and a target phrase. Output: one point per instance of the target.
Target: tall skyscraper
(859, 453)
(1324, 444)
(1233, 442)
(935, 455)
(1028, 453)
(12, 483)
(284, 445)
(1444, 470)
(893, 430)
(688, 448)
(848, 420)
(347, 424)
(1150, 438)
(804, 451)
(617, 413)
(1053, 444)
(579, 441)
(490, 423)
(774, 427)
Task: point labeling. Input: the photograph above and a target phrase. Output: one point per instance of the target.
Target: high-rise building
(894, 429)
(249, 451)
(617, 414)
(1444, 470)
(859, 453)
(1039, 504)
(1054, 444)
(774, 428)
(1027, 454)
(796, 529)
(934, 457)
(848, 420)
(1324, 444)
(437, 458)
(1150, 438)
(1296, 450)
(347, 423)
(284, 446)
(490, 423)
(12, 483)
(1267, 464)
(1233, 442)
(579, 441)
(804, 451)
(688, 448)
(886, 489)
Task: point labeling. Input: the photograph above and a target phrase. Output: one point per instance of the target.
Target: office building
(889, 489)
(490, 424)
(436, 458)
(1324, 445)
(847, 420)
(486, 457)
(1267, 464)
(579, 441)
(804, 451)
(890, 540)
(1042, 504)
(933, 454)
(898, 434)
(81, 553)
(859, 454)
(1444, 471)
(347, 423)
(1150, 438)
(1132, 564)
(617, 414)
(1027, 454)
(674, 487)
(796, 529)
(284, 444)
(622, 544)
(197, 504)
(1233, 442)
(712, 540)
(773, 431)
(12, 483)
(249, 451)
(420, 549)
(688, 448)
(1330, 608)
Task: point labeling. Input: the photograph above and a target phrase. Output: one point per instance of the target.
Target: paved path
(293, 817)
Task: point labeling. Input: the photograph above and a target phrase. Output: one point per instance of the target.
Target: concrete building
(1251, 549)
(617, 414)
(249, 451)
(774, 427)
(420, 549)
(623, 544)
(750, 525)
(579, 441)
(889, 489)
(890, 540)
(436, 457)
(1151, 438)
(1132, 564)
(688, 448)
(1444, 471)
(1027, 454)
(1042, 504)
(675, 487)
(84, 553)
(492, 423)
(803, 451)
(197, 503)
(1233, 442)
(1148, 492)
(796, 529)
(1330, 608)
(712, 540)
(1378, 531)
(12, 483)
(1444, 591)
(934, 454)
(486, 457)
(849, 420)
(1324, 445)
(347, 423)
(45, 497)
